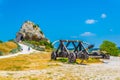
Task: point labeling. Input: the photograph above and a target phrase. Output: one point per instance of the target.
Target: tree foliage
(110, 48)
(1, 41)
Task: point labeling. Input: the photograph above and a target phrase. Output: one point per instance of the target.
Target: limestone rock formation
(30, 31)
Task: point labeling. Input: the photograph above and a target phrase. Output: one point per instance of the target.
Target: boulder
(30, 31)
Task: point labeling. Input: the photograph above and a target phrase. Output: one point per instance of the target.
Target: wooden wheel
(105, 56)
(83, 56)
(53, 56)
(72, 58)
(65, 54)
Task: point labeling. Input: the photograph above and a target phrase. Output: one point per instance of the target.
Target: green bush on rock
(36, 44)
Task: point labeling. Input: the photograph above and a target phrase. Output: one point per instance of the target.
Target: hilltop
(30, 31)
(31, 34)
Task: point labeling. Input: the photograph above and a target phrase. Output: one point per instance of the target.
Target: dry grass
(6, 78)
(7, 47)
(34, 61)
(89, 61)
(78, 61)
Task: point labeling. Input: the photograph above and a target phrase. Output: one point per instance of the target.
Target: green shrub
(1, 53)
(34, 26)
(62, 59)
(39, 49)
(110, 48)
(12, 40)
(39, 43)
(41, 32)
(1, 41)
(14, 51)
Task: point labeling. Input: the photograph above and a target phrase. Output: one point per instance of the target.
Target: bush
(1, 53)
(110, 48)
(12, 40)
(1, 41)
(40, 43)
(14, 51)
(41, 32)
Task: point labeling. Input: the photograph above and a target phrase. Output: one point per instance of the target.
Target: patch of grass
(33, 79)
(62, 59)
(7, 47)
(93, 60)
(49, 73)
(90, 60)
(39, 43)
(6, 78)
(35, 61)
(1, 53)
(117, 79)
(25, 62)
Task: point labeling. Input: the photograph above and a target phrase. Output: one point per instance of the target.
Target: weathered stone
(30, 31)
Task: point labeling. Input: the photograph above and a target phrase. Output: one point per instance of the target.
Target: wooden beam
(84, 48)
(65, 47)
(74, 44)
(58, 48)
(76, 49)
(67, 44)
(70, 40)
(80, 46)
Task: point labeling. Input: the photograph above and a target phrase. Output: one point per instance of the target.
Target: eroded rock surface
(30, 31)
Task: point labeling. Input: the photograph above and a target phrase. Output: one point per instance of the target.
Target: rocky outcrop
(30, 31)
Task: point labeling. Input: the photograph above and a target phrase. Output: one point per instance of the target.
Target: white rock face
(30, 31)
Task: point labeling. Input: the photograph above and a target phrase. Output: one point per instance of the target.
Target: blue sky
(89, 20)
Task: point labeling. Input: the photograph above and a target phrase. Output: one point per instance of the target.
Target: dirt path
(24, 51)
(109, 70)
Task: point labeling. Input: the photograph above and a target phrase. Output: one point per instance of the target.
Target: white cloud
(90, 21)
(103, 15)
(86, 34)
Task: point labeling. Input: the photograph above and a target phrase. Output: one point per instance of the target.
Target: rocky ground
(109, 70)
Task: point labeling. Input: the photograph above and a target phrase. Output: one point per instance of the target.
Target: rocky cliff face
(30, 31)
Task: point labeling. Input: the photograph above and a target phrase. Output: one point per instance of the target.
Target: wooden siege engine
(79, 51)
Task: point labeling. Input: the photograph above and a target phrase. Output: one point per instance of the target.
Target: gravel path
(24, 51)
(109, 70)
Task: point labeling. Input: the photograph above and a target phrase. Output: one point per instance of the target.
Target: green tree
(110, 48)
(1, 41)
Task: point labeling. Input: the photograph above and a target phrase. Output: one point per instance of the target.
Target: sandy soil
(109, 70)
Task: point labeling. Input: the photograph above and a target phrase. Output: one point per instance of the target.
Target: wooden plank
(74, 45)
(76, 49)
(68, 44)
(95, 56)
(84, 48)
(65, 48)
(70, 41)
(58, 48)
